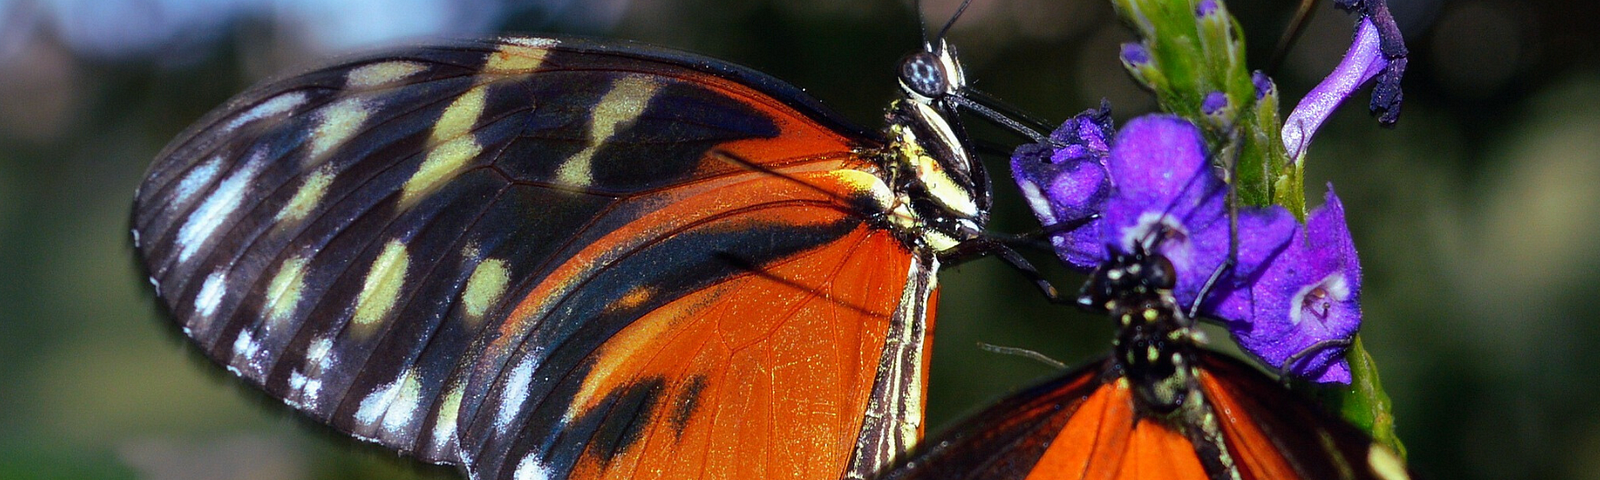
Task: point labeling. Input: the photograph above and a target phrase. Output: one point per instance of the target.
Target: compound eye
(923, 74)
(1162, 274)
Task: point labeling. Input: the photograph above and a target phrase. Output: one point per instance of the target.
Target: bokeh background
(1477, 219)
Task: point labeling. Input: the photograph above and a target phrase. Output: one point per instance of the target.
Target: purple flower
(1161, 174)
(1135, 54)
(1263, 84)
(1064, 180)
(1307, 303)
(1291, 287)
(1378, 52)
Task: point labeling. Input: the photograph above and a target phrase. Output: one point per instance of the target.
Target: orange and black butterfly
(553, 258)
(1160, 407)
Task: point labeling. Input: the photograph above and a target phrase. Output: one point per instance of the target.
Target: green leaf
(1363, 402)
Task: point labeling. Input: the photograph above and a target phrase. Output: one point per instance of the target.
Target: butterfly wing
(543, 257)
(1085, 425)
(1007, 439)
(1272, 433)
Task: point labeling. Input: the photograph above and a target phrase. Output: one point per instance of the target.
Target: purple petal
(1364, 61)
(1066, 184)
(1310, 294)
(1263, 84)
(1214, 103)
(1162, 178)
(1135, 54)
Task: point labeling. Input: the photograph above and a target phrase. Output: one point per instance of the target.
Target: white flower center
(1316, 300)
(1159, 232)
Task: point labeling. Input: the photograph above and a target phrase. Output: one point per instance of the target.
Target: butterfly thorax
(1155, 342)
(939, 186)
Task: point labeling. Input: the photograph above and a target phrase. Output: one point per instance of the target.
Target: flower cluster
(1292, 294)
(1292, 286)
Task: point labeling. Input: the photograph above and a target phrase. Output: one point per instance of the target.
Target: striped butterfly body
(1160, 407)
(543, 258)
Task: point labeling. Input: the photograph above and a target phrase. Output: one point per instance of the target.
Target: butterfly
(1160, 406)
(545, 257)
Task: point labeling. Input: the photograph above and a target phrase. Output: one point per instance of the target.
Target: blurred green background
(1477, 219)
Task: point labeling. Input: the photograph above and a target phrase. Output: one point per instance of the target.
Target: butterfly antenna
(959, 10)
(922, 24)
(1297, 26)
(1024, 353)
(999, 114)
(1010, 111)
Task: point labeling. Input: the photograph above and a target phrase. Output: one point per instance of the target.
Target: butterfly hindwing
(1086, 425)
(532, 256)
(1275, 434)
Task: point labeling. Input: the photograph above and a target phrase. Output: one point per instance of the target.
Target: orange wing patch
(1095, 437)
(764, 376)
(1253, 451)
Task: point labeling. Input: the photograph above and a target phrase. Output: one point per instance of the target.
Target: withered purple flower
(1377, 52)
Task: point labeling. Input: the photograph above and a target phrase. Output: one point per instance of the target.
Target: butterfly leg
(1211, 282)
(1306, 353)
(985, 246)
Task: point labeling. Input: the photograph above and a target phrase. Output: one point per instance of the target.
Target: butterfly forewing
(536, 257)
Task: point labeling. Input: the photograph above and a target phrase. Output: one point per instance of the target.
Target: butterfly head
(930, 74)
(945, 184)
(1126, 279)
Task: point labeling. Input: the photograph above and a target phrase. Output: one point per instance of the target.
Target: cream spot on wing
(380, 74)
(454, 145)
(210, 296)
(317, 355)
(336, 123)
(377, 402)
(443, 163)
(195, 179)
(444, 427)
(530, 468)
(283, 292)
(515, 393)
(308, 196)
(617, 110)
(381, 290)
(461, 115)
(245, 348)
(272, 107)
(514, 58)
(403, 410)
(484, 288)
(204, 221)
